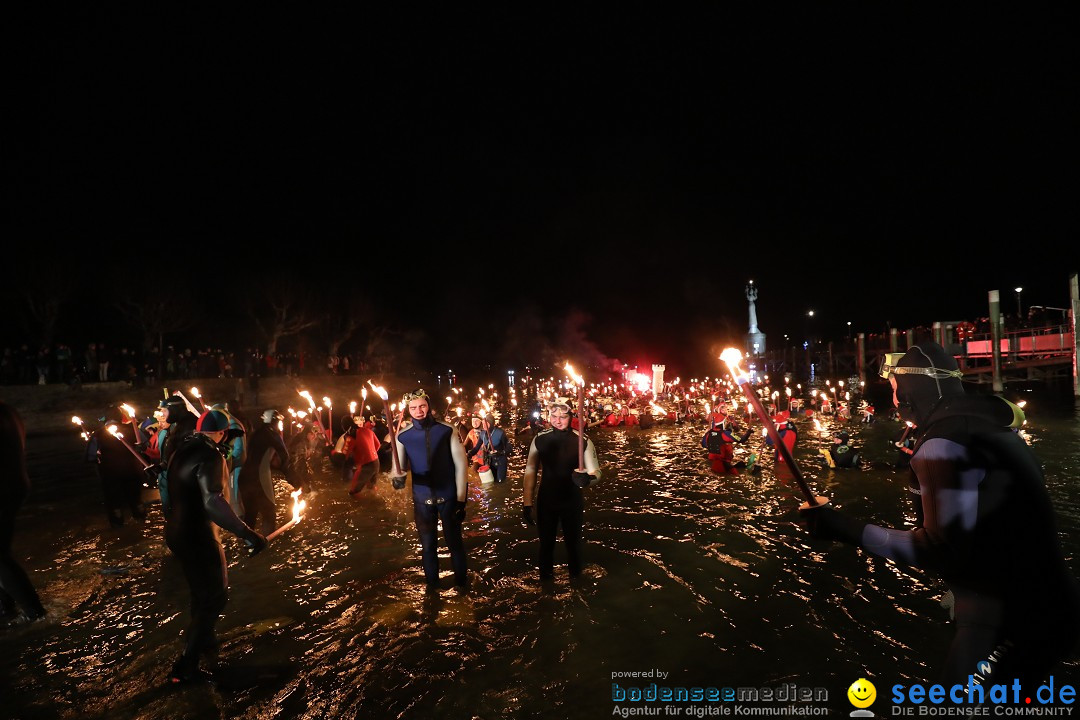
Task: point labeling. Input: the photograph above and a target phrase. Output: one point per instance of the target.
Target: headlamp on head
(889, 368)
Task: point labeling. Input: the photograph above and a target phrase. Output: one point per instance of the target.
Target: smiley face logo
(862, 693)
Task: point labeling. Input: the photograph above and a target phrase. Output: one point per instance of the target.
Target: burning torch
(732, 357)
(298, 506)
(381, 392)
(119, 436)
(329, 420)
(580, 382)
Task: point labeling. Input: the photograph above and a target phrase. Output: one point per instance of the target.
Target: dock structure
(997, 356)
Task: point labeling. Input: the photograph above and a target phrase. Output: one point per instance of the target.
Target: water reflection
(706, 577)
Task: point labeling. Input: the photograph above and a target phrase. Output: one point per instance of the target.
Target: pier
(1047, 353)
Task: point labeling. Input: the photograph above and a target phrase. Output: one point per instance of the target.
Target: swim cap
(212, 421)
(924, 375)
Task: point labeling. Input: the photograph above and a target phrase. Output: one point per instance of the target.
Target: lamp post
(1019, 307)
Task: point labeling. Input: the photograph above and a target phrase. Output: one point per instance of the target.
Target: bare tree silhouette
(280, 310)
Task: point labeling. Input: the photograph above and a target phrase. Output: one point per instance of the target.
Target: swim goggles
(889, 368)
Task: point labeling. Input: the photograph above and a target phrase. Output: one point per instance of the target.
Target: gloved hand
(581, 479)
(152, 471)
(824, 522)
(527, 515)
(398, 481)
(459, 511)
(255, 543)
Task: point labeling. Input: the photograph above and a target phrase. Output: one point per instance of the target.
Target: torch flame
(570, 371)
(195, 392)
(732, 357)
(111, 429)
(298, 506)
(307, 396)
(379, 390)
(129, 410)
(352, 408)
(326, 401)
(76, 419)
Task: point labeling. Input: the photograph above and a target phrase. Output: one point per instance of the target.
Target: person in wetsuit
(439, 466)
(16, 590)
(363, 457)
(176, 424)
(720, 441)
(237, 454)
(197, 480)
(842, 454)
(492, 446)
(256, 479)
(553, 457)
(986, 527)
(789, 435)
(120, 472)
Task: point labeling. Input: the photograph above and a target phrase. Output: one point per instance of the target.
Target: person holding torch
(439, 487)
(564, 467)
(197, 482)
(986, 527)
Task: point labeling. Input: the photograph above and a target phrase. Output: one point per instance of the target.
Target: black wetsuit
(14, 486)
(121, 476)
(988, 529)
(559, 501)
(181, 426)
(197, 507)
(255, 480)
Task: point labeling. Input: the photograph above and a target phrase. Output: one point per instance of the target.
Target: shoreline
(47, 409)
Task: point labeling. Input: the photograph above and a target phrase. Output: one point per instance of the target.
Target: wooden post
(995, 339)
(1074, 306)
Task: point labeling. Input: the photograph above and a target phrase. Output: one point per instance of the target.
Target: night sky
(591, 177)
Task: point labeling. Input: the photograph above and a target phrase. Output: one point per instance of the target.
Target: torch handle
(780, 446)
(393, 441)
(581, 429)
(132, 450)
(280, 530)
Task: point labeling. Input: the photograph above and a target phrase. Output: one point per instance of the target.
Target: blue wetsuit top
(427, 445)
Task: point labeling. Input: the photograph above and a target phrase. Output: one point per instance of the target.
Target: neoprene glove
(398, 481)
(527, 515)
(255, 542)
(824, 522)
(581, 479)
(459, 511)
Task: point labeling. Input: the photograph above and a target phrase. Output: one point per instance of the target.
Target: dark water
(705, 578)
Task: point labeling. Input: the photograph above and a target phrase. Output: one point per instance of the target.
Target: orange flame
(298, 506)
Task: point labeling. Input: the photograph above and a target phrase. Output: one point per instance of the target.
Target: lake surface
(705, 578)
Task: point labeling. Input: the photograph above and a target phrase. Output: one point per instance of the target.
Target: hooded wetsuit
(987, 527)
(256, 478)
(196, 485)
